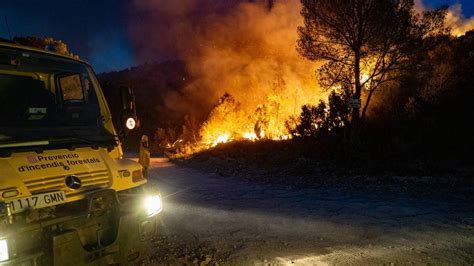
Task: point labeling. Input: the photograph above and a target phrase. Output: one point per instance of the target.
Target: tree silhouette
(363, 42)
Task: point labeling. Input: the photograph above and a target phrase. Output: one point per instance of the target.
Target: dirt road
(211, 219)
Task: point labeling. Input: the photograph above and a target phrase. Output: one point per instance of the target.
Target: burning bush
(224, 124)
(229, 122)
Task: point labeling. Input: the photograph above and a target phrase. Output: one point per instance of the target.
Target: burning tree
(364, 43)
(270, 116)
(228, 121)
(224, 123)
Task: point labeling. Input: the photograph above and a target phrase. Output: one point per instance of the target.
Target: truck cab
(67, 195)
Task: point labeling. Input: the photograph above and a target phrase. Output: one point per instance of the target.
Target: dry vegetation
(298, 163)
(251, 90)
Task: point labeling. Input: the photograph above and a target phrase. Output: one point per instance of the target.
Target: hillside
(153, 83)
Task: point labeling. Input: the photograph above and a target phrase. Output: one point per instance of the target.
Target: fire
(228, 122)
(455, 18)
(250, 136)
(221, 139)
(457, 22)
(284, 137)
(364, 78)
(245, 49)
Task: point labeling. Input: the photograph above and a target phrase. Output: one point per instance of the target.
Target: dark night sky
(95, 29)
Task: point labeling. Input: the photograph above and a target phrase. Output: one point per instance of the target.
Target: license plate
(37, 201)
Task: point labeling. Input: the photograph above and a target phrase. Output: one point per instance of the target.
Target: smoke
(457, 22)
(247, 49)
(455, 19)
(241, 47)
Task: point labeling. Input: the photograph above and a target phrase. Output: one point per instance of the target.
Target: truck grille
(90, 181)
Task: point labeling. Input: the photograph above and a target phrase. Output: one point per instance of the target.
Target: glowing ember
(221, 139)
(283, 137)
(250, 136)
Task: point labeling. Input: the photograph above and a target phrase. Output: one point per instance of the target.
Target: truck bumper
(117, 237)
(130, 246)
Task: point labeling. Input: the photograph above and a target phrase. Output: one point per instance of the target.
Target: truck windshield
(47, 98)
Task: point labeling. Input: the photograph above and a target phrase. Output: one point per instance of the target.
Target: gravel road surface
(208, 219)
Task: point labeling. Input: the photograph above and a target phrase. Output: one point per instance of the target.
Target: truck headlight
(153, 205)
(3, 250)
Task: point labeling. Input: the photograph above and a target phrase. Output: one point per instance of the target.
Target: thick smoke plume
(239, 47)
(457, 22)
(247, 49)
(455, 19)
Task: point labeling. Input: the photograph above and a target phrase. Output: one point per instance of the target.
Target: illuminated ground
(211, 219)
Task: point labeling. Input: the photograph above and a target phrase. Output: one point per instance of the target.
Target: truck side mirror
(129, 113)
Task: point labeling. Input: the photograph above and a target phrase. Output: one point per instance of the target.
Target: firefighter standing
(144, 159)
